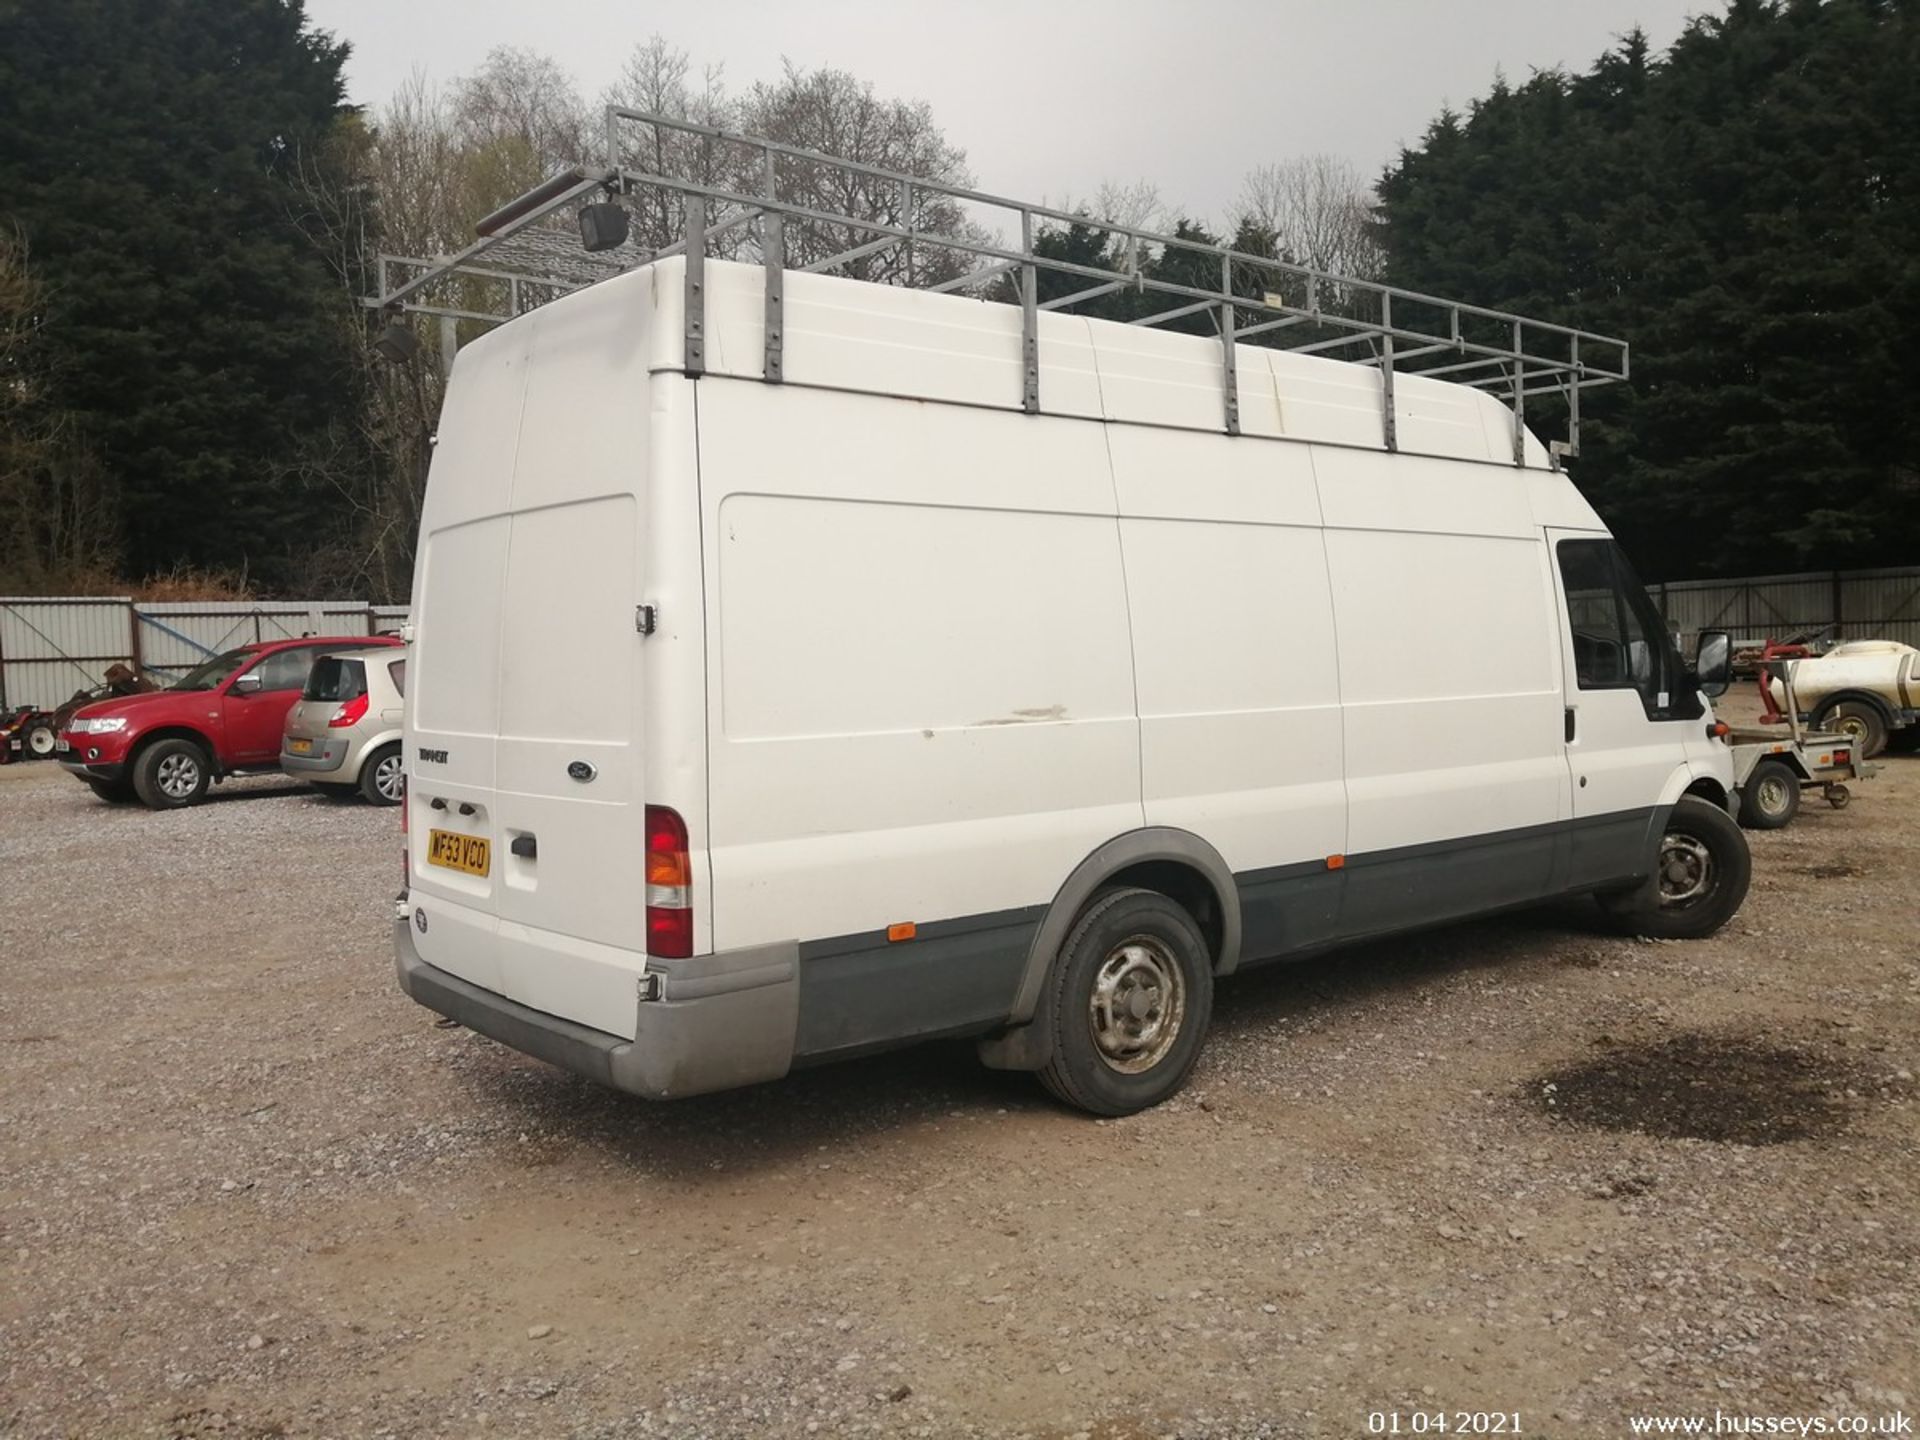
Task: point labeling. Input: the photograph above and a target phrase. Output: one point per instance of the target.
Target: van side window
(1619, 642)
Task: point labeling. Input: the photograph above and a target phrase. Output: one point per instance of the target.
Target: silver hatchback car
(344, 734)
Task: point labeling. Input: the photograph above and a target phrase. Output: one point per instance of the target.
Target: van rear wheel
(1132, 995)
(1699, 879)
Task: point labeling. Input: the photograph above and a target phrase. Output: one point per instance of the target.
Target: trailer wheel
(1838, 796)
(1132, 994)
(171, 774)
(1863, 723)
(1699, 878)
(1771, 797)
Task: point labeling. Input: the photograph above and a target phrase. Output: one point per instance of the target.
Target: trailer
(1770, 770)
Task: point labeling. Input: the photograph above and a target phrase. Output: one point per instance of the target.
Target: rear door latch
(644, 619)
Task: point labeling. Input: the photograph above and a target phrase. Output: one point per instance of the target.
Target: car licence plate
(61, 747)
(469, 853)
(299, 747)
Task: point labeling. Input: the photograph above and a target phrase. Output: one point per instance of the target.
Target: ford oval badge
(420, 921)
(582, 770)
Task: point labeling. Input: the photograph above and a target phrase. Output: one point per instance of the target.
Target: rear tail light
(351, 713)
(669, 886)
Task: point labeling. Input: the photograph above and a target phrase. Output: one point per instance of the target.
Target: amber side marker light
(1336, 862)
(905, 930)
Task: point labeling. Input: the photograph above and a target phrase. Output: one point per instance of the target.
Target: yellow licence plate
(299, 747)
(470, 853)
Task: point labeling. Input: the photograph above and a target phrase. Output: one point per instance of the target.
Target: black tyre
(1862, 722)
(1771, 797)
(40, 740)
(1699, 879)
(1132, 992)
(114, 792)
(171, 774)
(383, 779)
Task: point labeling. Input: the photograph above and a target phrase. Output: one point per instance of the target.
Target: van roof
(884, 339)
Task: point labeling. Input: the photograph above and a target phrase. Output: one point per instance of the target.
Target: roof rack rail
(1402, 331)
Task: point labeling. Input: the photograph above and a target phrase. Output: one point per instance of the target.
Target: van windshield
(335, 679)
(212, 674)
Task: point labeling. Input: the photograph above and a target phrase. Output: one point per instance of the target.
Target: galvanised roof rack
(1399, 331)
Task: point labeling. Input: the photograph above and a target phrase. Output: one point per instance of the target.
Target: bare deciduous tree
(659, 79)
(1319, 213)
(833, 112)
(522, 105)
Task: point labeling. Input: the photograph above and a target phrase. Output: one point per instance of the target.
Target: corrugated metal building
(1863, 604)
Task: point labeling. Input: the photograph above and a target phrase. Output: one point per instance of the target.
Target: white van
(756, 725)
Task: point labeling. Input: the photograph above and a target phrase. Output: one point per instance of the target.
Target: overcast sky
(1050, 97)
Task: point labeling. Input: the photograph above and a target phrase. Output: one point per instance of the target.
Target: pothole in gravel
(1729, 1088)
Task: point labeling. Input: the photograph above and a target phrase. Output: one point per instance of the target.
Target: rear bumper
(327, 755)
(722, 1021)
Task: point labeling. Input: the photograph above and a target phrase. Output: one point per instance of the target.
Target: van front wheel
(1699, 879)
(1132, 994)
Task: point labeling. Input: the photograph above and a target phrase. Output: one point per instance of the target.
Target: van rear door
(526, 675)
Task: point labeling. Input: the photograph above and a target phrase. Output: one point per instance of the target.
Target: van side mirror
(247, 684)
(1713, 661)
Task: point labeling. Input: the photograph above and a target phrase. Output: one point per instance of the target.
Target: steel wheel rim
(1686, 869)
(40, 740)
(1138, 1005)
(177, 776)
(1773, 794)
(1854, 727)
(388, 777)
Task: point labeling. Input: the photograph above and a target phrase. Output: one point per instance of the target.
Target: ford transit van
(754, 725)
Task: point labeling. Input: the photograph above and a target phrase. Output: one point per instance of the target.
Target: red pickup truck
(224, 718)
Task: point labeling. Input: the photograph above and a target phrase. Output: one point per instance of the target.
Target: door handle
(1571, 726)
(525, 846)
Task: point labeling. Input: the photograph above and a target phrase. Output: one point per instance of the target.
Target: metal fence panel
(53, 646)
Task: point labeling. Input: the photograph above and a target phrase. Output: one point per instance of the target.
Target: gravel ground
(247, 1188)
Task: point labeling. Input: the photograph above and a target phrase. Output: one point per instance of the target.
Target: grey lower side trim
(1295, 910)
(860, 993)
(724, 1021)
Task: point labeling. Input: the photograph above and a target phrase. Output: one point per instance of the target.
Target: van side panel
(1233, 633)
(1449, 675)
(921, 691)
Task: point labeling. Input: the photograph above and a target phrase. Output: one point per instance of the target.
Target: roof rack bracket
(696, 301)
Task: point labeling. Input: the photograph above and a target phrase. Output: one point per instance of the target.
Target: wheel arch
(1177, 864)
(1832, 701)
(147, 739)
(1692, 780)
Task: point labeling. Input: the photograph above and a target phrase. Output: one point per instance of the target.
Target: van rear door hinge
(644, 619)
